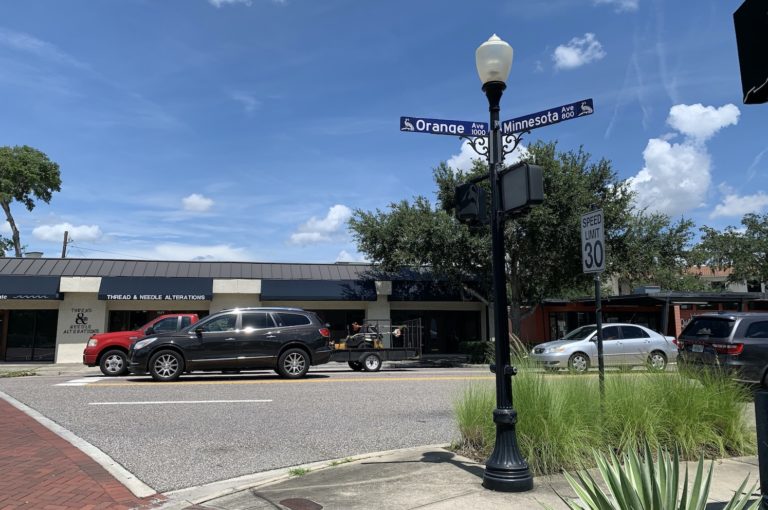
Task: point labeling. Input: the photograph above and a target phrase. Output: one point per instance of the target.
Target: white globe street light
(494, 60)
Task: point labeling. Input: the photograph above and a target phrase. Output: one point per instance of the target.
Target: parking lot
(210, 427)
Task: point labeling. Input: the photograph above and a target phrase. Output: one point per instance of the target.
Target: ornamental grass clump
(561, 419)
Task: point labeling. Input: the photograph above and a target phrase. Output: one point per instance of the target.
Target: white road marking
(82, 382)
(175, 402)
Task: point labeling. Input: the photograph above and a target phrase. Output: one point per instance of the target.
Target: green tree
(543, 247)
(26, 175)
(744, 250)
(652, 250)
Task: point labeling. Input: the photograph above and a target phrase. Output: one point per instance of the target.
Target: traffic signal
(522, 186)
(751, 21)
(471, 202)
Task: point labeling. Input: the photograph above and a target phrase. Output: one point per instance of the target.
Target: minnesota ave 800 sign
(592, 242)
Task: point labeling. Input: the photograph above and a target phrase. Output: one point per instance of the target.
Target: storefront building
(667, 312)
(49, 307)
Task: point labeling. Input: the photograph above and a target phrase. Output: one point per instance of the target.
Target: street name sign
(548, 117)
(443, 127)
(592, 242)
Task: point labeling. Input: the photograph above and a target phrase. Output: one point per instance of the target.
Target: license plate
(697, 348)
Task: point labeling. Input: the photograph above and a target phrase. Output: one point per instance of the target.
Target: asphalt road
(170, 442)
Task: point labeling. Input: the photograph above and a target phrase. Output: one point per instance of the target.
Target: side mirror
(149, 331)
(199, 331)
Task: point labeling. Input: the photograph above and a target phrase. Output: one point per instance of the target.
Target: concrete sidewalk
(424, 478)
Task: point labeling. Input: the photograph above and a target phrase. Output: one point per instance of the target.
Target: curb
(133, 484)
(198, 495)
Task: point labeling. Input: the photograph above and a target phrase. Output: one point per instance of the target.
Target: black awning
(318, 290)
(29, 287)
(134, 288)
(426, 291)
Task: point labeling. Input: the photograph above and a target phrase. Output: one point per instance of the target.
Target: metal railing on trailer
(378, 341)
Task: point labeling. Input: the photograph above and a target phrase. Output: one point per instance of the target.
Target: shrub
(561, 419)
(478, 351)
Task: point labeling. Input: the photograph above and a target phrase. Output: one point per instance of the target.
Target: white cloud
(196, 203)
(345, 256)
(578, 52)
(219, 3)
(21, 41)
(5, 228)
(323, 230)
(179, 251)
(621, 5)
(55, 233)
(249, 101)
(677, 176)
(737, 206)
(463, 160)
(702, 122)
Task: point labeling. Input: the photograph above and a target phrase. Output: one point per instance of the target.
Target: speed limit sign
(592, 242)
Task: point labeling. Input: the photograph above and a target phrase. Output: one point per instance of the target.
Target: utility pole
(64, 246)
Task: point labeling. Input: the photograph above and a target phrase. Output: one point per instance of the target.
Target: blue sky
(250, 129)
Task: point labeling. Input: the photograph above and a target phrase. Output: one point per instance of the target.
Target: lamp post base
(506, 469)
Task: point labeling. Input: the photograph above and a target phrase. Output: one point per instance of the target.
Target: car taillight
(325, 332)
(732, 349)
(679, 345)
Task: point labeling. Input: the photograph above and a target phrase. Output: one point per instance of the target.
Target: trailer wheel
(372, 363)
(355, 365)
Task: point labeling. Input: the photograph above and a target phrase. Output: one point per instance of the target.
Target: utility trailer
(379, 341)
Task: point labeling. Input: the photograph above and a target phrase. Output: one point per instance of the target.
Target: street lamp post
(506, 470)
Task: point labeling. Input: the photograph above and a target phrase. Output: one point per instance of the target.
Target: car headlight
(92, 342)
(143, 343)
(555, 349)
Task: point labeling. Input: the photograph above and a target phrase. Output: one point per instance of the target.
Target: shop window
(754, 287)
(443, 331)
(31, 335)
(339, 321)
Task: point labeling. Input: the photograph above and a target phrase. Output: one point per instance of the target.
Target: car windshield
(708, 327)
(580, 333)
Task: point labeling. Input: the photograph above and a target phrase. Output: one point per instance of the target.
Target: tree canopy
(743, 250)
(543, 247)
(26, 175)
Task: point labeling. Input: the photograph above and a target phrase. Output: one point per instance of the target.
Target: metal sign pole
(599, 321)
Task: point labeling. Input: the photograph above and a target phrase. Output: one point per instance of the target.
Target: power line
(81, 248)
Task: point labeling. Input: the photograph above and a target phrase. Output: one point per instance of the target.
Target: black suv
(287, 340)
(734, 342)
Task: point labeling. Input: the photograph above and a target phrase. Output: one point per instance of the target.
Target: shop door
(31, 335)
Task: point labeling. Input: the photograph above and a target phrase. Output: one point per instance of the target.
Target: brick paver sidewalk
(42, 471)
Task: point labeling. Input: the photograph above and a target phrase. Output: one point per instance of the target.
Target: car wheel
(114, 363)
(578, 363)
(372, 363)
(657, 361)
(355, 365)
(166, 366)
(293, 364)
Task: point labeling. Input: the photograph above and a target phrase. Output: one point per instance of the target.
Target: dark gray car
(734, 342)
(287, 340)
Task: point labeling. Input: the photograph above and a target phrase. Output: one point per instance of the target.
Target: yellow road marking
(295, 381)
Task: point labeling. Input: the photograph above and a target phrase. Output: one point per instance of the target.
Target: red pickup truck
(110, 350)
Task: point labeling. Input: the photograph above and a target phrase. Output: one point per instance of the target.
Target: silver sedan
(624, 345)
